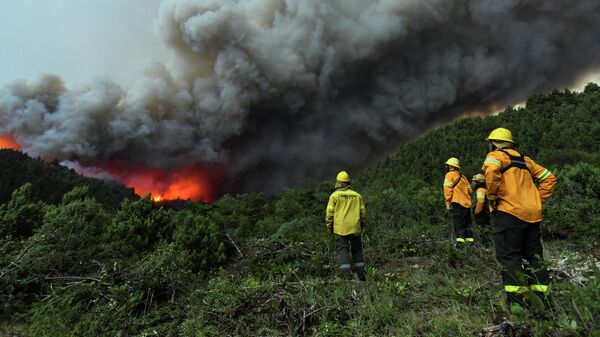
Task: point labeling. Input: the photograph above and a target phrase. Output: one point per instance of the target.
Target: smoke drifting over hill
(274, 92)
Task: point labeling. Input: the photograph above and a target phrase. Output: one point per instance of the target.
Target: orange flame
(192, 182)
(188, 183)
(8, 142)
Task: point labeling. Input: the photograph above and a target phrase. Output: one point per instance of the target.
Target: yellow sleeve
(493, 177)
(480, 200)
(363, 213)
(329, 212)
(449, 181)
(546, 180)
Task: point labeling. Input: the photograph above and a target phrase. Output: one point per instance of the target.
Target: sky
(80, 40)
(77, 39)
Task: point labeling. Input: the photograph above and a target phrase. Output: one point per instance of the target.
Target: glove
(448, 207)
(493, 205)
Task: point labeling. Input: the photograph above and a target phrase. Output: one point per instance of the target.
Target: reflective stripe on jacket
(514, 190)
(346, 212)
(457, 189)
(480, 193)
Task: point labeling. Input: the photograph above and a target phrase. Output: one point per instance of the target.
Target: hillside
(50, 181)
(249, 265)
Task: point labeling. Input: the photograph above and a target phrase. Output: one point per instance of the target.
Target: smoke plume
(276, 91)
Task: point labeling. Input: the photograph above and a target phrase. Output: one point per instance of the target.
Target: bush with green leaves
(160, 276)
(68, 241)
(21, 216)
(201, 239)
(63, 249)
(574, 209)
(238, 215)
(138, 225)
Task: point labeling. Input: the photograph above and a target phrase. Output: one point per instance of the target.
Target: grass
(447, 294)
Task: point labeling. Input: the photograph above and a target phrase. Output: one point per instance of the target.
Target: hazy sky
(80, 39)
(77, 39)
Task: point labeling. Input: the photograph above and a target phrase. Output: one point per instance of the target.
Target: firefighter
(516, 205)
(457, 194)
(345, 219)
(480, 207)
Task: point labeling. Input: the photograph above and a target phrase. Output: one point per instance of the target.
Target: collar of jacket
(340, 187)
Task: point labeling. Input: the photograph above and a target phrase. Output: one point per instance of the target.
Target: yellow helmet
(501, 134)
(453, 162)
(343, 177)
(479, 177)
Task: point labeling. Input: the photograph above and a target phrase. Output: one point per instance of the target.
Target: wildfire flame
(188, 183)
(8, 142)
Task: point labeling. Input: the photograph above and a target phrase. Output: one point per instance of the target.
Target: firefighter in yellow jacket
(345, 219)
(516, 205)
(457, 194)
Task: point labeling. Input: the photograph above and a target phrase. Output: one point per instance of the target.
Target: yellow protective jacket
(514, 189)
(457, 189)
(481, 192)
(346, 212)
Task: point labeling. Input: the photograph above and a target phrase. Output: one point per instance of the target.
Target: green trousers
(519, 251)
(350, 255)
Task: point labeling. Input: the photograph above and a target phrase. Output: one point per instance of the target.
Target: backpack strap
(458, 181)
(515, 161)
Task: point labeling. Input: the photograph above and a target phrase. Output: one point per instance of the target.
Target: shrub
(574, 209)
(201, 239)
(68, 241)
(20, 216)
(138, 225)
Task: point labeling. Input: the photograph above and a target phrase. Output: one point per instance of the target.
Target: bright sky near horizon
(77, 40)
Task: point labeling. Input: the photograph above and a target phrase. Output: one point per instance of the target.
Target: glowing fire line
(188, 183)
(8, 142)
(183, 183)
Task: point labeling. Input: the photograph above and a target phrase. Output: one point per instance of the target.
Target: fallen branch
(236, 247)
(76, 278)
(503, 329)
(302, 326)
(14, 263)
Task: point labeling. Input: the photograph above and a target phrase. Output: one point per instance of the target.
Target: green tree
(20, 216)
(138, 225)
(201, 238)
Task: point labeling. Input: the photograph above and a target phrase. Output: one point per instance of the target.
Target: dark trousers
(350, 255)
(517, 241)
(482, 220)
(462, 223)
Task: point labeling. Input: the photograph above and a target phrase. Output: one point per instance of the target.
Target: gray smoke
(275, 91)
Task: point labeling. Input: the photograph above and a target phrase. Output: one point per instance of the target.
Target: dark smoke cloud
(279, 91)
